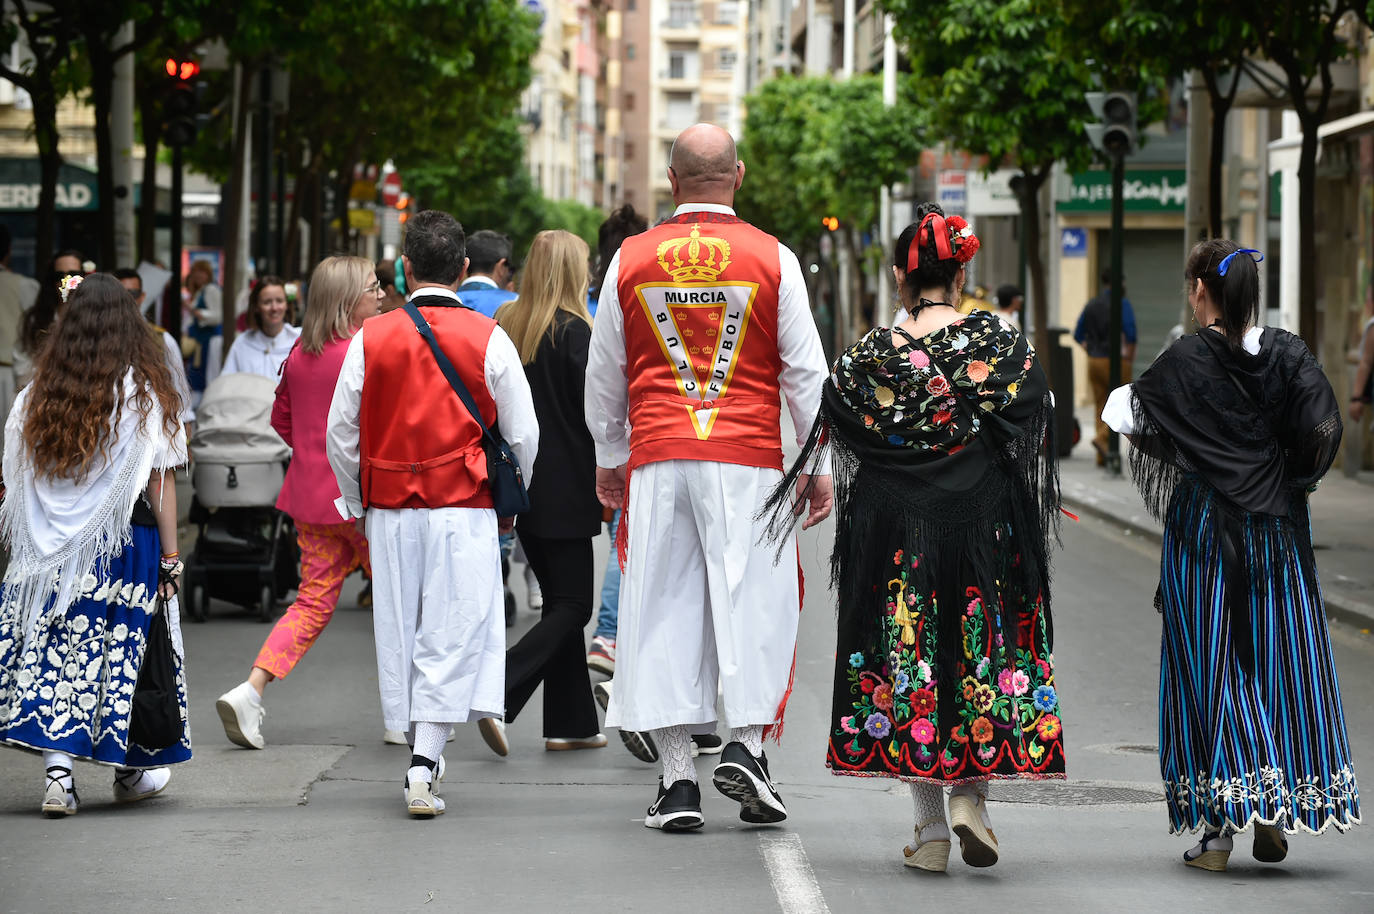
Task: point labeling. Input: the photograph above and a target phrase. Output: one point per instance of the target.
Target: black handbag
(504, 476)
(155, 721)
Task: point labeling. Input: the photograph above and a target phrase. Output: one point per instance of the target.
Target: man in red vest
(703, 322)
(408, 456)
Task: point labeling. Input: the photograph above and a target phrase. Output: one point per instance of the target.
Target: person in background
(1231, 429)
(1009, 301)
(486, 289)
(47, 306)
(550, 328)
(129, 279)
(90, 518)
(392, 298)
(620, 225)
(489, 271)
(269, 338)
(1091, 333)
(408, 457)
(977, 297)
(203, 311)
(344, 292)
(1362, 391)
(17, 295)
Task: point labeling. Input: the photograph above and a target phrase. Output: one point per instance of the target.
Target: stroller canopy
(234, 421)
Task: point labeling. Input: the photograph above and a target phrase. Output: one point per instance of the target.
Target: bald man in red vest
(408, 456)
(702, 325)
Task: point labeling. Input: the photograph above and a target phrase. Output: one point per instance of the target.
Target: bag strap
(448, 370)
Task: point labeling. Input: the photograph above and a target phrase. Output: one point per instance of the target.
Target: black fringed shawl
(1258, 430)
(937, 448)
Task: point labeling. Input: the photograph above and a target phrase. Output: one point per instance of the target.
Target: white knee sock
(59, 760)
(928, 801)
(751, 737)
(429, 742)
(675, 750)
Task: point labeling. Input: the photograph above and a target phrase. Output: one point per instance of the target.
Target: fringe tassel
(622, 536)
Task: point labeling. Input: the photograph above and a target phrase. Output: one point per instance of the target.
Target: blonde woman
(551, 328)
(343, 293)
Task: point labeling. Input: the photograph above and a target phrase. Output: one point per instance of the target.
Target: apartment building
(559, 107)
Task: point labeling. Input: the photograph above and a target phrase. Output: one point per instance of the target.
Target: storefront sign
(20, 184)
(990, 195)
(1146, 190)
(951, 191)
(1073, 242)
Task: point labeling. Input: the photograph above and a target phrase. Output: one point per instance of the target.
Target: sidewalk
(1342, 524)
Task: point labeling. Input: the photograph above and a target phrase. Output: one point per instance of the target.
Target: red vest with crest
(420, 446)
(699, 296)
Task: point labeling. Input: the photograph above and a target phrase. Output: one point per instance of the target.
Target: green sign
(1146, 190)
(20, 183)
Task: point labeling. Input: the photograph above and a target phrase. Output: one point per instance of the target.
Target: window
(629, 52)
(629, 6)
(727, 12)
(682, 13)
(681, 110)
(726, 62)
(629, 101)
(682, 63)
(629, 150)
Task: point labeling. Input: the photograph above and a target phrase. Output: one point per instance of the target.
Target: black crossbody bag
(504, 476)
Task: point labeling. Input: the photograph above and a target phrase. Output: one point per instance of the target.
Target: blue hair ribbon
(1226, 261)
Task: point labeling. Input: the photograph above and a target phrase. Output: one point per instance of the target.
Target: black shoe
(677, 808)
(640, 744)
(706, 744)
(744, 779)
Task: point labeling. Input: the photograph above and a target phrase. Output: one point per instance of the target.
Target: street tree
(45, 73)
(994, 82)
(1305, 39)
(1145, 42)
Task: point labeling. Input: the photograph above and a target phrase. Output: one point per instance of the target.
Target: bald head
(703, 166)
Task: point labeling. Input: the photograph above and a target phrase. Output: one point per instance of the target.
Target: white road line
(793, 880)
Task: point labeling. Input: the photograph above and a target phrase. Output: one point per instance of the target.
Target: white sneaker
(394, 738)
(493, 732)
(536, 595)
(134, 784)
(242, 716)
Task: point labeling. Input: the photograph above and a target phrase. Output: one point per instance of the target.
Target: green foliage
(815, 147)
(582, 220)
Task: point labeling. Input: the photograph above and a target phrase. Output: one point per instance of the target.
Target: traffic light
(831, 222)
(1115, 134)
(180, 124)
(403, 204)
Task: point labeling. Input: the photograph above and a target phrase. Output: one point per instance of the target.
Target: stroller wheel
(199, 602)
(267, 607)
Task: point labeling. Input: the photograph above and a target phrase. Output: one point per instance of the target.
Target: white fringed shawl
(58, 529)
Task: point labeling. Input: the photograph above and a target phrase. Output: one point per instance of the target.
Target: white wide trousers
(702, 600)
(438, 614)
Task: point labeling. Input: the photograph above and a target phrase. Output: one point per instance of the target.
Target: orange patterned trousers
(329, 553)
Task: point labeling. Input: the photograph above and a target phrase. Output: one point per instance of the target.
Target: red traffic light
(831, 222)
(183, 70)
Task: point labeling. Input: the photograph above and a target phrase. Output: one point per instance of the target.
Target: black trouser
(554, 652)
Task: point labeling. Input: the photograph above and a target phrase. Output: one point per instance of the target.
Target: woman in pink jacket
(343, 293)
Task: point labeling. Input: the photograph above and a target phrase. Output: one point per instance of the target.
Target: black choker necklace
(927, 303)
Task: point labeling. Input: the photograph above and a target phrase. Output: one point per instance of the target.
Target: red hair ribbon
(943, 249)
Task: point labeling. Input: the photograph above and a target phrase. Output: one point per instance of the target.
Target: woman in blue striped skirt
(1232, 427)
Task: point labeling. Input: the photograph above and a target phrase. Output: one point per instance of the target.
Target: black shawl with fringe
(939, 448)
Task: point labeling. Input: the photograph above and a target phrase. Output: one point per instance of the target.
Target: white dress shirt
(803, 372)
(506, 382)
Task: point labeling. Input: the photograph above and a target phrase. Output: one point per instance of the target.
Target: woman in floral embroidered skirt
(1232, 426)
(946, 501)
(92, 530)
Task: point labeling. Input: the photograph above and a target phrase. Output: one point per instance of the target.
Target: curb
(1350, 612)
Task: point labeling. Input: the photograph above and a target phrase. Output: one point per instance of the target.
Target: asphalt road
(316, 821)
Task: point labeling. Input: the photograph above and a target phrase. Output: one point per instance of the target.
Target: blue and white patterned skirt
(70, 686)
(1240, 747)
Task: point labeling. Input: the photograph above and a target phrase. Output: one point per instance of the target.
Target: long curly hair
(78, 380)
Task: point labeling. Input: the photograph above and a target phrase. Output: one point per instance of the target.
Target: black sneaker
(744, 779)
(677, 808)
(707, 744)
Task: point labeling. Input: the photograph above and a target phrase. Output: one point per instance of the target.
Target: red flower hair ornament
(953, 238)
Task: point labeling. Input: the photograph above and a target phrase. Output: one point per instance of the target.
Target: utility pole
(262, 250)
(881, 314)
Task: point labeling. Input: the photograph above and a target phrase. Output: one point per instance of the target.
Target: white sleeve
(1118, 413)
(606, 398)
(343, 432)
(212, 312)
(177, 367)
(170, 452)
(231, 361)
(508, 386)
(799, 346)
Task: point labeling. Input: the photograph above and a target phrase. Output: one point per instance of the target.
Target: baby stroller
(246, 549)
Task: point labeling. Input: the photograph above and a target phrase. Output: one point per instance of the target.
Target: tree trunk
(151, 116)
(1035, 263)
(233, 205)
(1220, 107)
(341, 192)
(49, 166)
(855, 291)
(1306, 261)
(102, 96)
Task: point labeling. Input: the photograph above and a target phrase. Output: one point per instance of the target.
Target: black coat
(563, 492)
